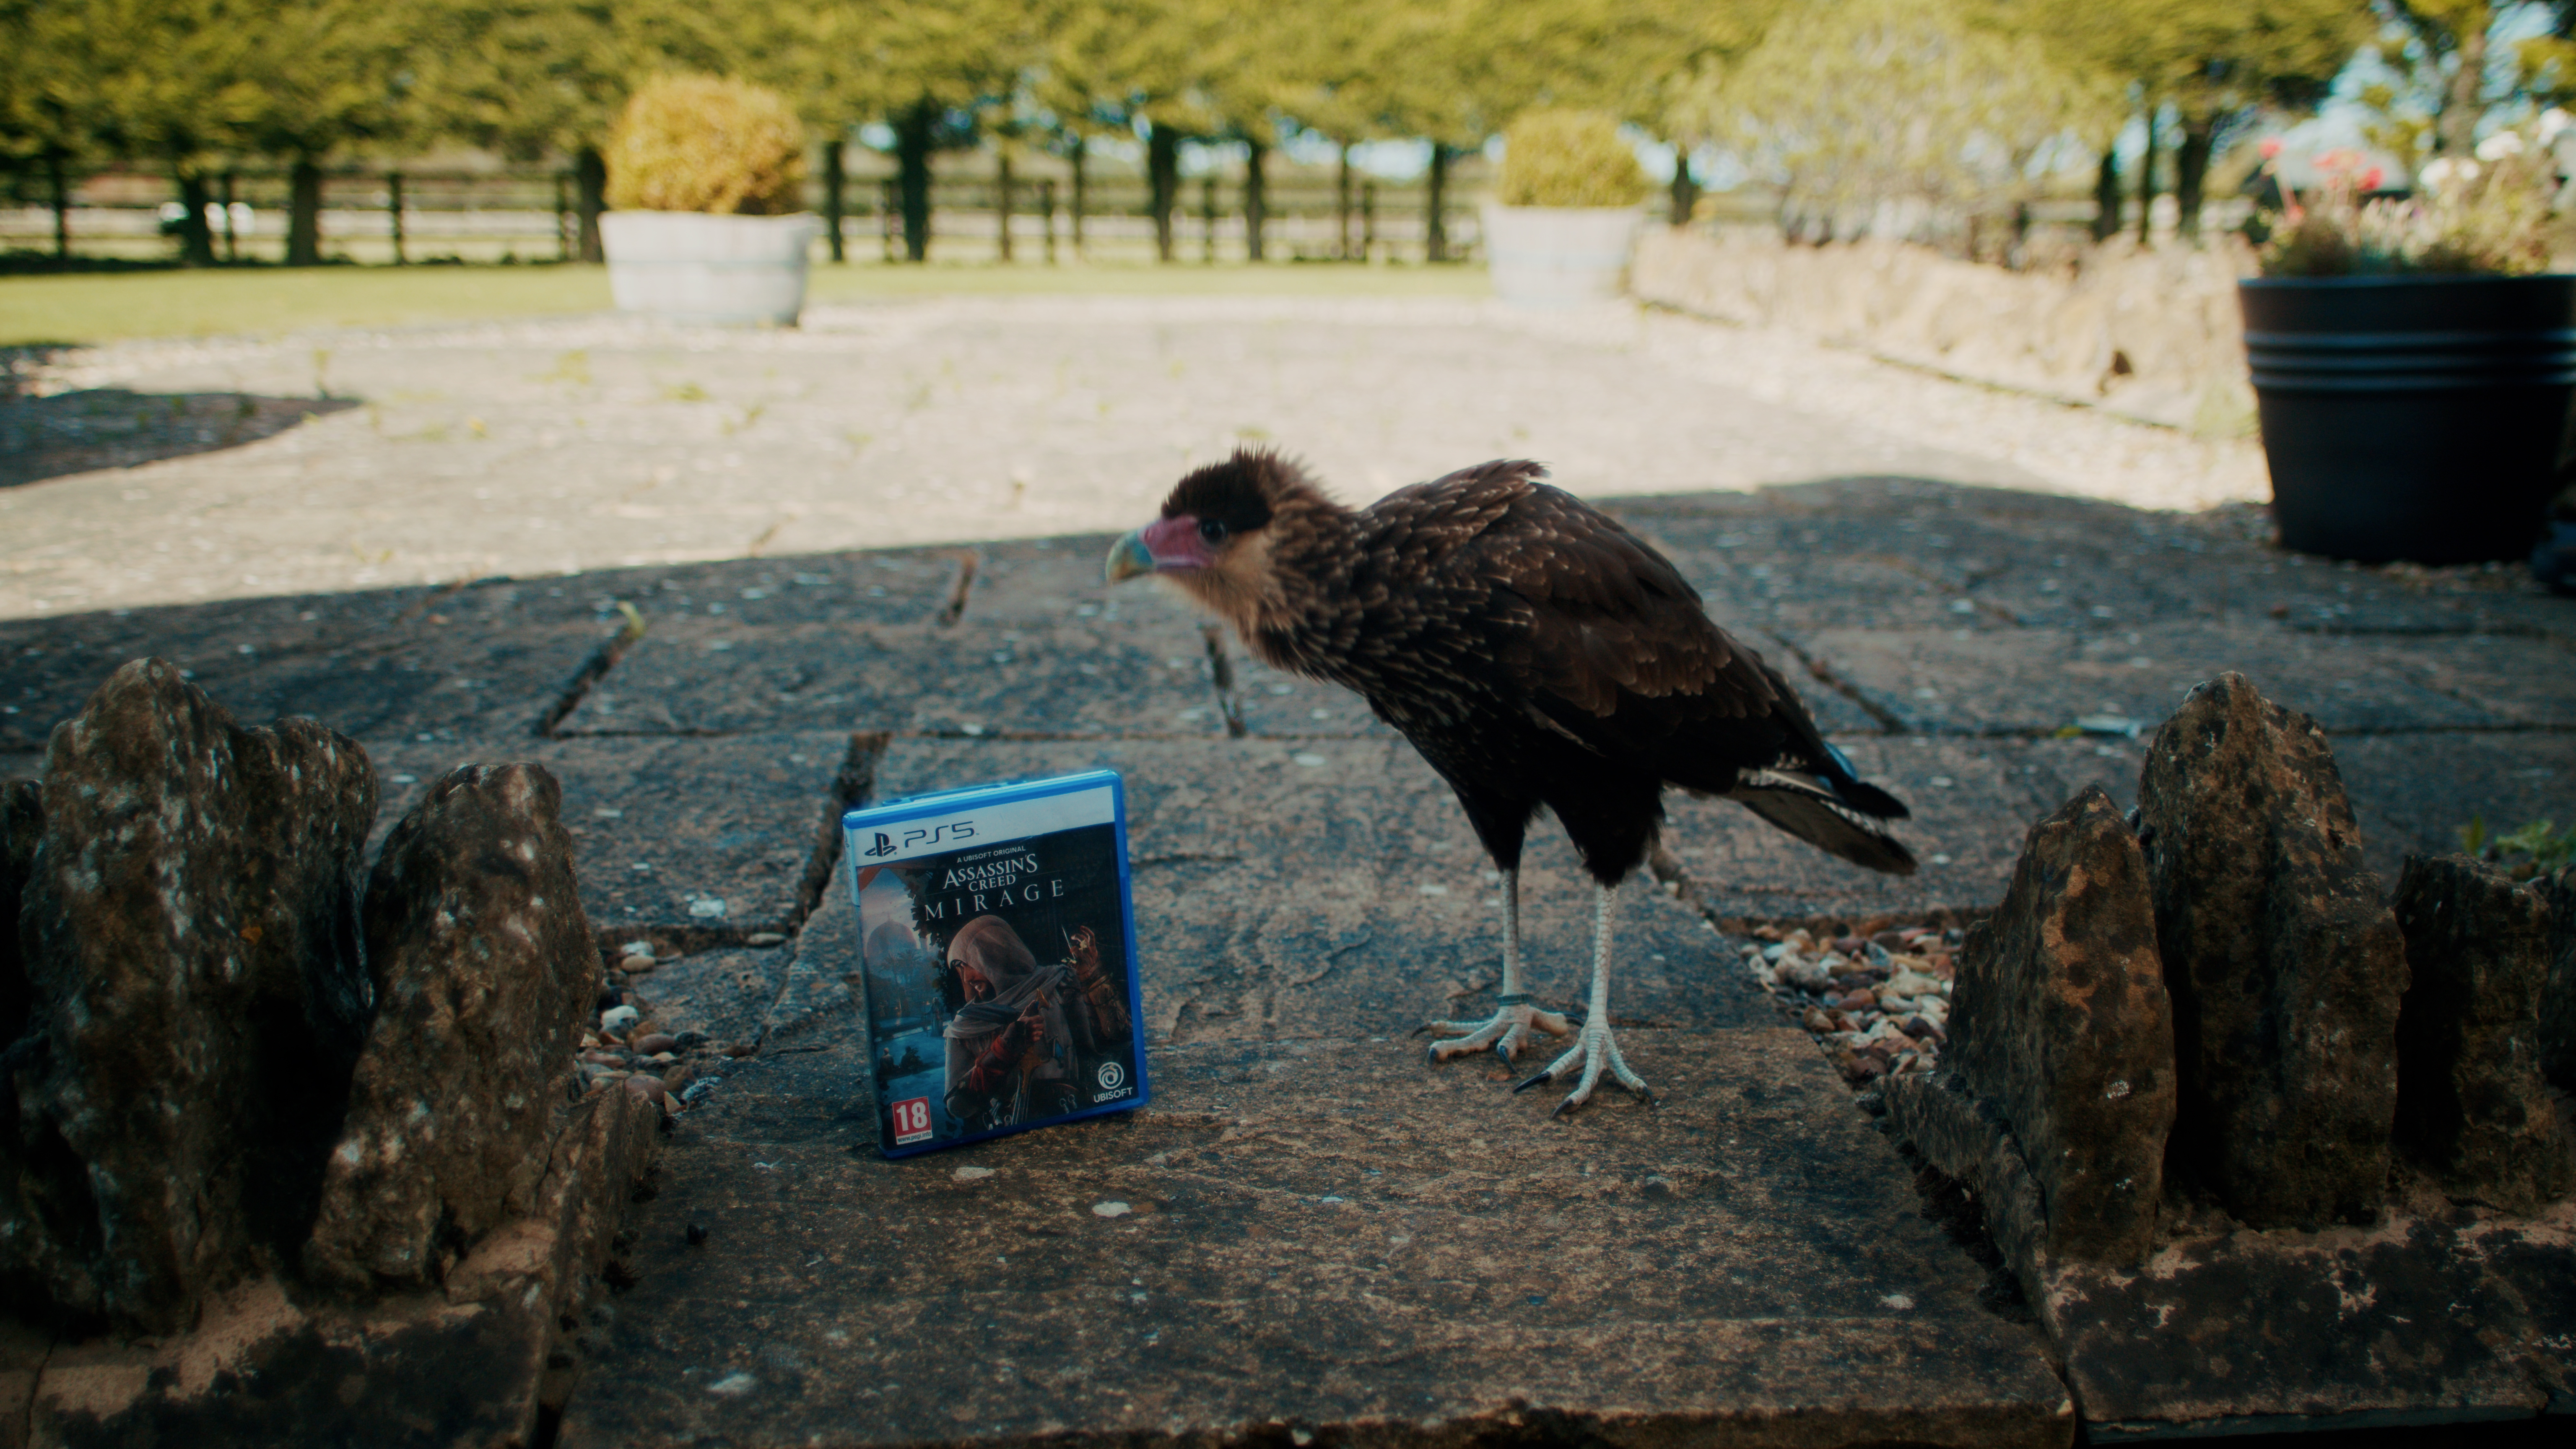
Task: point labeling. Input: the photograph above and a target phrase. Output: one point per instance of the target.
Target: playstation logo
(884, 846)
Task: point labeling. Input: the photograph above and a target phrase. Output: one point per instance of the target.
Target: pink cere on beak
(1175, 544)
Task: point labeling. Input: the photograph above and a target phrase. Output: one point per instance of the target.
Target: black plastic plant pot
(2412, 418)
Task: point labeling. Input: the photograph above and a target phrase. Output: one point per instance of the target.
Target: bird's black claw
(1505, 1055)
(1561, 1109)
(1532, 1082)
(1419, 1030)
(1431, 1054)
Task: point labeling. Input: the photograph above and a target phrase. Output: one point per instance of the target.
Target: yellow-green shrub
(698, 143)
(1568, 158)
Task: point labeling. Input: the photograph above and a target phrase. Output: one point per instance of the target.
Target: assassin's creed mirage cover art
(999, 976)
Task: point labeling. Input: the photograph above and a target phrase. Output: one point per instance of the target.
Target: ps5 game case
(997, 959)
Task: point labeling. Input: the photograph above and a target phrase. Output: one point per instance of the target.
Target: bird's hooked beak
(1168, 545)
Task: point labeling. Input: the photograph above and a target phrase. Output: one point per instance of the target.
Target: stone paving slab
(2411, 793)
(680, 839)
(696, 676)
(1325, 1237)
(49, 667)
(725, 993)
(1276, 897)
(2032, 681)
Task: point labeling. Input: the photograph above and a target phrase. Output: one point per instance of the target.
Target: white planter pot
(1558, 256)
(722, 271)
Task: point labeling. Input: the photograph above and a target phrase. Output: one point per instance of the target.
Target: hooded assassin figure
(1018, 1047)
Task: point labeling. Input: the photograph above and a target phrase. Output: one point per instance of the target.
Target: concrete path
(346, 460)
(1326, 1237)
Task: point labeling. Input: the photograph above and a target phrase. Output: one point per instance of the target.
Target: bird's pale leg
(1595, 1049)
(1514, 1017)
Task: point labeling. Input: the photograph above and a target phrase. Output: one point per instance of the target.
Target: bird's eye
(1211, 530)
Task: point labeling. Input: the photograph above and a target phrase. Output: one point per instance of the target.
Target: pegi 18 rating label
(912, 1120)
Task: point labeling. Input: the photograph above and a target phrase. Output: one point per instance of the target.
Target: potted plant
(1565, 210)
(2413, 360)
(704, 226)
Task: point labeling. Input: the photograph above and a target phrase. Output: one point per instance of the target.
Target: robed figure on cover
(1028, 1034)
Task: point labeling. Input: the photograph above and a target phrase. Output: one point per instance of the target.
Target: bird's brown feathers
(1534, 650)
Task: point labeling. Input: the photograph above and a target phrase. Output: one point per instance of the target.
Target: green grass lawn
(106, 307)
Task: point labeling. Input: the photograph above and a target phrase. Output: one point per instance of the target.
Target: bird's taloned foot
(1514, 1024)
(1594, 1051)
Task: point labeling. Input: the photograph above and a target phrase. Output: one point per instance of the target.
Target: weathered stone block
(2472, 1104)
(198, 997)
(22, 823)
(2060, 1016)
(2283, 959)
(2558, 996)
(484, 971)
(567, 1220)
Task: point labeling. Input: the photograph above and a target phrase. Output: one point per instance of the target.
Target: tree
(40, 129)
(930, 70)
(1148, 64)
(1895, 114)
(2214, 61)
(326, 71)
(172, 81)
(530, 79)
(2446, 42)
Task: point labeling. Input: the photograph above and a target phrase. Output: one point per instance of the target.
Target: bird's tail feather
(1833, 818)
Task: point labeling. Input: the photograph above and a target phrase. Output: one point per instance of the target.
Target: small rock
(196, 997)
(636, 965)
(2558, 993)
(738, 1048)
(653, 1043)
(1862, 1000)
(617, 1019)
(2277, 940)
(2472, 1103)
(2063, 996)
(482, 960)
(1110, 1209)
(1921, 1029)
(1892, 941)
(765, 938)
(1818, 1021)
(678, 1078)
(648, 1087)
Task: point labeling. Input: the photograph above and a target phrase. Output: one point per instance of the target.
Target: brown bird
(1537, 654)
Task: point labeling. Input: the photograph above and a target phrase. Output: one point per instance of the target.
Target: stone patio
(1324, 1237)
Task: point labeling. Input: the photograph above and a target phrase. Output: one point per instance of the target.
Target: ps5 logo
(886, 845)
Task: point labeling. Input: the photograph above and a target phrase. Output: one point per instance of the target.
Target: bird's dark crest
(1243, 492)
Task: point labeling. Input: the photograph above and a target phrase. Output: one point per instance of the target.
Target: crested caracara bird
(1537, 654)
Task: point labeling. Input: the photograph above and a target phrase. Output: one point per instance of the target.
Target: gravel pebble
(655, 1042)
(1878, 1004)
